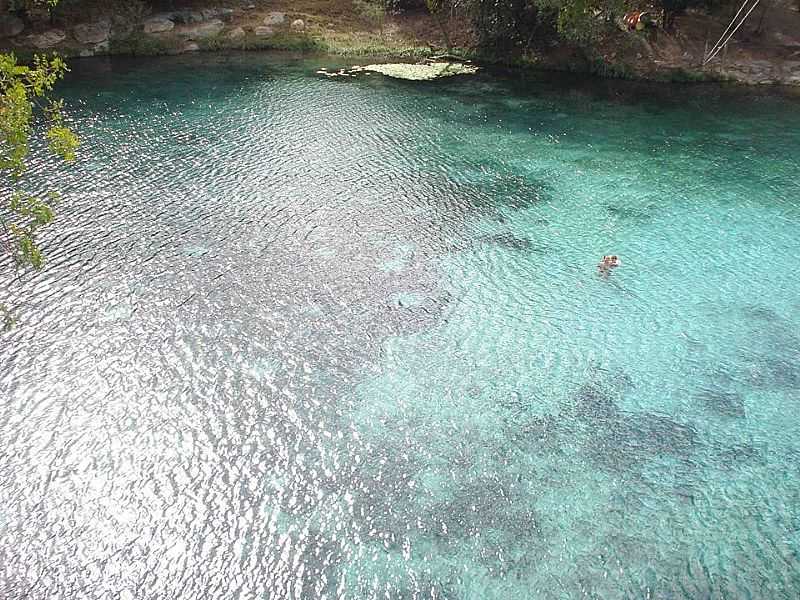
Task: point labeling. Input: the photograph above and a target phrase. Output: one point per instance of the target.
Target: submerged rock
(507, 240)
(593, 402)
(737, 454)
(626, 441)
(661, 434)
(639, 215)
(728, 404)
(761, 312)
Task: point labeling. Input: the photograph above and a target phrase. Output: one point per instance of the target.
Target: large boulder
(10, 26)
(792, 66)
(158, 25)
(275, 18)
(203, 30)
(188, 17)
(786, 40)
(122, 26)
(298, 25)
(191, 47)
(92, 33)
(48, 39)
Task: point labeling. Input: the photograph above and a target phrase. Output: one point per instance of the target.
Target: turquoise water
(312, 338)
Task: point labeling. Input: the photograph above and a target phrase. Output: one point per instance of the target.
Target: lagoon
(302, 337)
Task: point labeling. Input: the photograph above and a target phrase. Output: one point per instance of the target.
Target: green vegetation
(524, 24)
(24, 101)
(422, 72)
(145, 45)
(411, 72)
(339, 43)
(512, 32)
(374, 10)
(559, 34)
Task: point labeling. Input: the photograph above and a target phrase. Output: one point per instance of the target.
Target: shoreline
(656, 56)
(416, 54)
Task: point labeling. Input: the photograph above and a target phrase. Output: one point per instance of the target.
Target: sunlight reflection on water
(303, 338)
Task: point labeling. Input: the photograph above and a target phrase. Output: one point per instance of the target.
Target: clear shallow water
(306, 338)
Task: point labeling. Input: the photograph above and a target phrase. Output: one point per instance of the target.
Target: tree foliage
(373, 10)
(507, 24)
(27, 110)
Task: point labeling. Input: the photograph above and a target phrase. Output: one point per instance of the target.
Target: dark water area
(301, 337)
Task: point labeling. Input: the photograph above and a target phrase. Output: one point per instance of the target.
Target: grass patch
(218, 42)
(146, 45)
(368, 44)
(598, 66)
(686, 76)
(284, 40)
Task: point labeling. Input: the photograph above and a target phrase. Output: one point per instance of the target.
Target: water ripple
(304, 338)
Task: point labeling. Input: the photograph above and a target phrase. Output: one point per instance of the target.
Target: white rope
(731, 34)
(720, 43)
(730, 24)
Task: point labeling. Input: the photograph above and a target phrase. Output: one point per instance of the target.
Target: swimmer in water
(609, 262)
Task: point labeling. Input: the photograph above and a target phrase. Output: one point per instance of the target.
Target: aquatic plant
(410, 72)
(423, 72)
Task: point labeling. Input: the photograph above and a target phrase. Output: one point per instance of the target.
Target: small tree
(24, 101)
(437, 9)
(374, 10)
